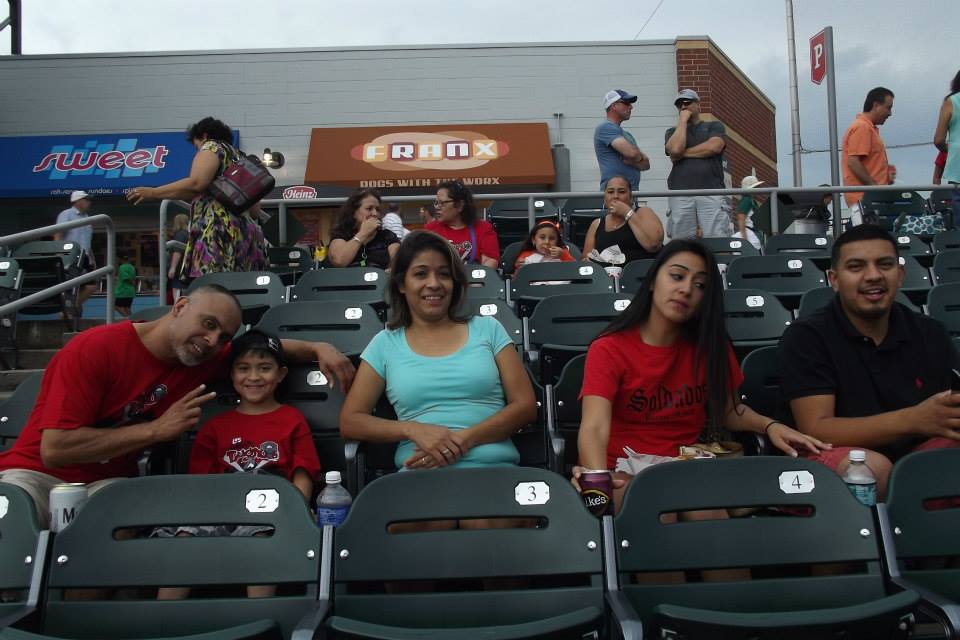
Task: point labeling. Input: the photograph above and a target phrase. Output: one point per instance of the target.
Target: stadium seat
(46, 263)
(822, 296)
(90, 555)
(815, 248)
(946, 240)
(943, 304)
(754, 319)
(761, 382)
(531, 440)
(941, 200)
(726, 250)
(500, 310)
(484, 282)
(511, 219)
(357, 284)
(257, 291)
(349, 326)
(946, 266)
(564, 413)
(550, 576)
(917, 528)
(11, 278)
(150, 313)
(16, 409)
(911, 245)
(289, 263)
(633, 275)
(23, 555)
(779, 602)
(785, 277)
(535, 282)
(916, 280)
(886, 206)
(579, 214)
(563, 326)
(508, 258)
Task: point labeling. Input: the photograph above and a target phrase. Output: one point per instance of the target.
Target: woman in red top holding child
(664, 370)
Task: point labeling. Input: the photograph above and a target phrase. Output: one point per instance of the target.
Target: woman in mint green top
(947, 139)
(458, 385)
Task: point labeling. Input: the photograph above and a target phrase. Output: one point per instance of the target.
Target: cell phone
(955, 380)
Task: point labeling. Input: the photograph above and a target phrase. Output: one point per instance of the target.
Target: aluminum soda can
(66, 500)
(596, 489)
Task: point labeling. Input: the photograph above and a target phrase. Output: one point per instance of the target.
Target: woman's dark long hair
(706, 329)
(460, 193)
(955, 84)
(346, 225)
(543, 224)
(415, 243)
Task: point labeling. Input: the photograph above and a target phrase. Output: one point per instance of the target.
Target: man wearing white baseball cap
(617, 150)
(80, 202)
(695, 147)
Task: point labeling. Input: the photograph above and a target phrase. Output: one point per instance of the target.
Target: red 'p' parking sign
(818, 57)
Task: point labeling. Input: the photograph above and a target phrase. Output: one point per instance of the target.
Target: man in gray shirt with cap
(696, 148)
(617, 151)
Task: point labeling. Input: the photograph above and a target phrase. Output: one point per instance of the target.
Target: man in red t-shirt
(116, 389)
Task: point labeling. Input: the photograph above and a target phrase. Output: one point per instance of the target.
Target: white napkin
(610, 255)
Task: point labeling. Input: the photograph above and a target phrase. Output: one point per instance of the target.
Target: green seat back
(566, 544)
(67, 252)
(633, 275)
(500, 310)
(725, 250)
(287, 258)
(357, 284)
(19, 530)
(911, 245)
(87, 554)
(10, 274)
(761, 381)
(946, 266)
(753, 317)
(811, 246)
(306, 389)
(822, 296)
(484, 282)
(45, 263)
(887, 206)
(349, 326)
(257, 291)
(567, 407)
(916, 279)
(946, 240)
(15, 410)
(837, 529)
(532, 283)
(943, 304)
(508, 257)
(941, 199)
(924, 529)
(580, 214)
(785, 276)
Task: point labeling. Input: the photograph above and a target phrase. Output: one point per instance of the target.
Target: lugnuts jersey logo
(247, 457)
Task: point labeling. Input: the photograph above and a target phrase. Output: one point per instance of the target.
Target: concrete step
(46, 334)
(10, 379)
(34, 358)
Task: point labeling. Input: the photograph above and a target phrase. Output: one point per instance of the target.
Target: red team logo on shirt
(249, 458)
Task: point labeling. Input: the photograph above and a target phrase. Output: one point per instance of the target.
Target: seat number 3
(527, 493)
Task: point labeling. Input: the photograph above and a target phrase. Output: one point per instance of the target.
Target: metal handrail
(72, 283)
(532, 197)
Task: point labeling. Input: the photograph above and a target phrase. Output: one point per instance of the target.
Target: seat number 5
(532, 493)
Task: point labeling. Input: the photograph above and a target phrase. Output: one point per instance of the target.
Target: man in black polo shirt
(865, 372)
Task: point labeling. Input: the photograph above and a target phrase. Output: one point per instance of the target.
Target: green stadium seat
(815, 248)
(915, 246)
(349, 326)
(579, 214)
(289, 263)
(885, 207)
(23, 556)
(16, 409)
(508, 258)
(564, 413)
(46, 263)
(761, 381)
(725, 250)
(535, 282)
(754, 319)
(943, 304)
(484, 282)
(785, 599)
(946, 266)
(916, 280)
(511, 218)
(257, 291)
(533, 601)
(500, 310)
(784, 276)
(917, 527)
(633, 275)
(11, 280)
(357, 284)
(946, 240)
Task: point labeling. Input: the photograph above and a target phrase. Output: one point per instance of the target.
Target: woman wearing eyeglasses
(635, 230)
(474, 240)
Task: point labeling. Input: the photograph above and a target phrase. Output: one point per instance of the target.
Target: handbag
(926, 224)
(243, 183)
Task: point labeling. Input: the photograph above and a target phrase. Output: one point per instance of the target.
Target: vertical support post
(774, 214)
(832, 121)
(162, 251)
(111, 262)
(794, 98)
(282, 225)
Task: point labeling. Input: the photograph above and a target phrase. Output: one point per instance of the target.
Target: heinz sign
(104, 164)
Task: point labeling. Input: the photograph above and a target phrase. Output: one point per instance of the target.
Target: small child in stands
(544, 244)
(260, 436)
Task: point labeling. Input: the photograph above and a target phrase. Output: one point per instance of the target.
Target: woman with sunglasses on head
(635, 230)
(544, 244)
(474, 240)
(663, 372)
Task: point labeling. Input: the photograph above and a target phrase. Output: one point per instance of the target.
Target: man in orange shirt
(864, 154)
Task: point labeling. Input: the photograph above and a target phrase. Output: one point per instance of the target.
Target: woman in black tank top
(637, 232)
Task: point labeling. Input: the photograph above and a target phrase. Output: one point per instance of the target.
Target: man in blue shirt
(617, 151)
(80, 202)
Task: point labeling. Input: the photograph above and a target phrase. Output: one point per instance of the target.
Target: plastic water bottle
(334, 501)
(860, 479)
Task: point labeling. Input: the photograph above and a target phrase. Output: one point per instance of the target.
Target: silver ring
(445, 451)
(423, 460)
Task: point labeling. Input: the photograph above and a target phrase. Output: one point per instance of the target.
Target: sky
(881, 42)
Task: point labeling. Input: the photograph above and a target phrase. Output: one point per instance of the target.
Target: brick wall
(726, 96)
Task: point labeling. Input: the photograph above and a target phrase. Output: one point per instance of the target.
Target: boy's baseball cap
(617, 95)
(259, 340)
